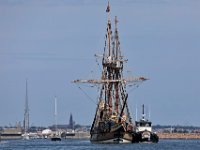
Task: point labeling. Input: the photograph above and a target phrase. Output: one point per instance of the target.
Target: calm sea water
(45, 144)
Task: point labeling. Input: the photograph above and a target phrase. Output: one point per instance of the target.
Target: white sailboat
(26, 116)
(56, 136)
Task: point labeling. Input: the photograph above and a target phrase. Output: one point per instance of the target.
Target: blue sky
(53, 42)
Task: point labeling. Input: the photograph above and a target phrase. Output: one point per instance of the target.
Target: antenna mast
(143, 114)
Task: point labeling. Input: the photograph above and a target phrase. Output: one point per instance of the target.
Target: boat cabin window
(143, 124)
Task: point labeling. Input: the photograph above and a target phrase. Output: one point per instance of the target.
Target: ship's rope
(98, 65)
(88, 96)
(135, 86)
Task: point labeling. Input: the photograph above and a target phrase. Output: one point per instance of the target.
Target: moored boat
(11, 133)
(56, 135)
(56, 138)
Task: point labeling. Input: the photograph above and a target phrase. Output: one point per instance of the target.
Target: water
(46, 144)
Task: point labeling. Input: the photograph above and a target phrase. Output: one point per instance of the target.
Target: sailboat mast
(55, 112)
(26, 110)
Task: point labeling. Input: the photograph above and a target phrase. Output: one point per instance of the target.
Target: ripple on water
(46, 144)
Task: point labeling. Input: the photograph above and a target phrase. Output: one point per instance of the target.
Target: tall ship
(144, 130)
(112, 121)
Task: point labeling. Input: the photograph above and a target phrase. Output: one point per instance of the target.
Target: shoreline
(178, 135)
(86, 135)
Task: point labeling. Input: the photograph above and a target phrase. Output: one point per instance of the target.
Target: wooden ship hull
(111, 137)
(116, 133)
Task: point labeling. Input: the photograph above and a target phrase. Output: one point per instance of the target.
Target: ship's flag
(108, 8)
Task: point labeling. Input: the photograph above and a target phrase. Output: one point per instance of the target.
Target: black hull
(55, 139)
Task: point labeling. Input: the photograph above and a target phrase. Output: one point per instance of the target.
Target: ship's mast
(117, 39)
(117, 73)
(109, 30)
(26, 111)
(107, 66)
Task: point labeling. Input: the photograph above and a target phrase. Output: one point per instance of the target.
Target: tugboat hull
(148, 137)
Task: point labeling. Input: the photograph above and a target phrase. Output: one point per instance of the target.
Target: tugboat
(112, 121)
(144, 130)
